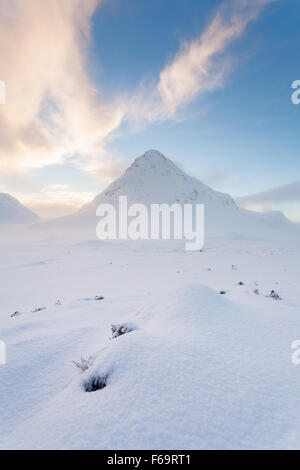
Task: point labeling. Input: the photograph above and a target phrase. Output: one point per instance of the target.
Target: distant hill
(12, 211)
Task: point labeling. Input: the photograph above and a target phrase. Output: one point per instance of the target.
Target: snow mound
(197, 374)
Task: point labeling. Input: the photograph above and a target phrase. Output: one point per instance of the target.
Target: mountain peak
(152, 162)
(150, 158)
(153, 179)
(152, 155)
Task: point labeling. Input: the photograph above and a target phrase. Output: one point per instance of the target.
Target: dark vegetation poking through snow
(95, 383)
(15, 314)
(99, 297)
(58, 303)
(119, 330)
(274, 295)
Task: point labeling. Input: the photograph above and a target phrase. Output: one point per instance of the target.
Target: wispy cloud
(200, 66)
(52, 109)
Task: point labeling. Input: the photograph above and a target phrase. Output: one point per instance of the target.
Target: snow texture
(193, 369)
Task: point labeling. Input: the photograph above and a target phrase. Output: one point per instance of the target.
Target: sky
(93, 84)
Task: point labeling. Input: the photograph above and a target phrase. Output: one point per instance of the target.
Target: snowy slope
(12, 211)
(276, 219)
(199, 370)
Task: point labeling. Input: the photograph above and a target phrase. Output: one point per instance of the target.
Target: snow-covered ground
(204, 361)
(199, 370)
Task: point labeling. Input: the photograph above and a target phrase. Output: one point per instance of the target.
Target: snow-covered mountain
(153, 179)
(275, 219)
(12, 211)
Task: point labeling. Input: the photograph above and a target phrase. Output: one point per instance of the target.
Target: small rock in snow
(15, 314)
(274, 295)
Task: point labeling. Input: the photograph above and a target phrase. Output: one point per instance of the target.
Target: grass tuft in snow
(98, 297)
(274, 295)
(15, 314)
(122, 329)
(83, 364)
(95, 383)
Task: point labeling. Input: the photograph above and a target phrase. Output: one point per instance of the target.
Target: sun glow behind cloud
(56, 200)
(52, 109)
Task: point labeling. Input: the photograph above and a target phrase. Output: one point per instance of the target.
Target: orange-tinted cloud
(52, 109)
